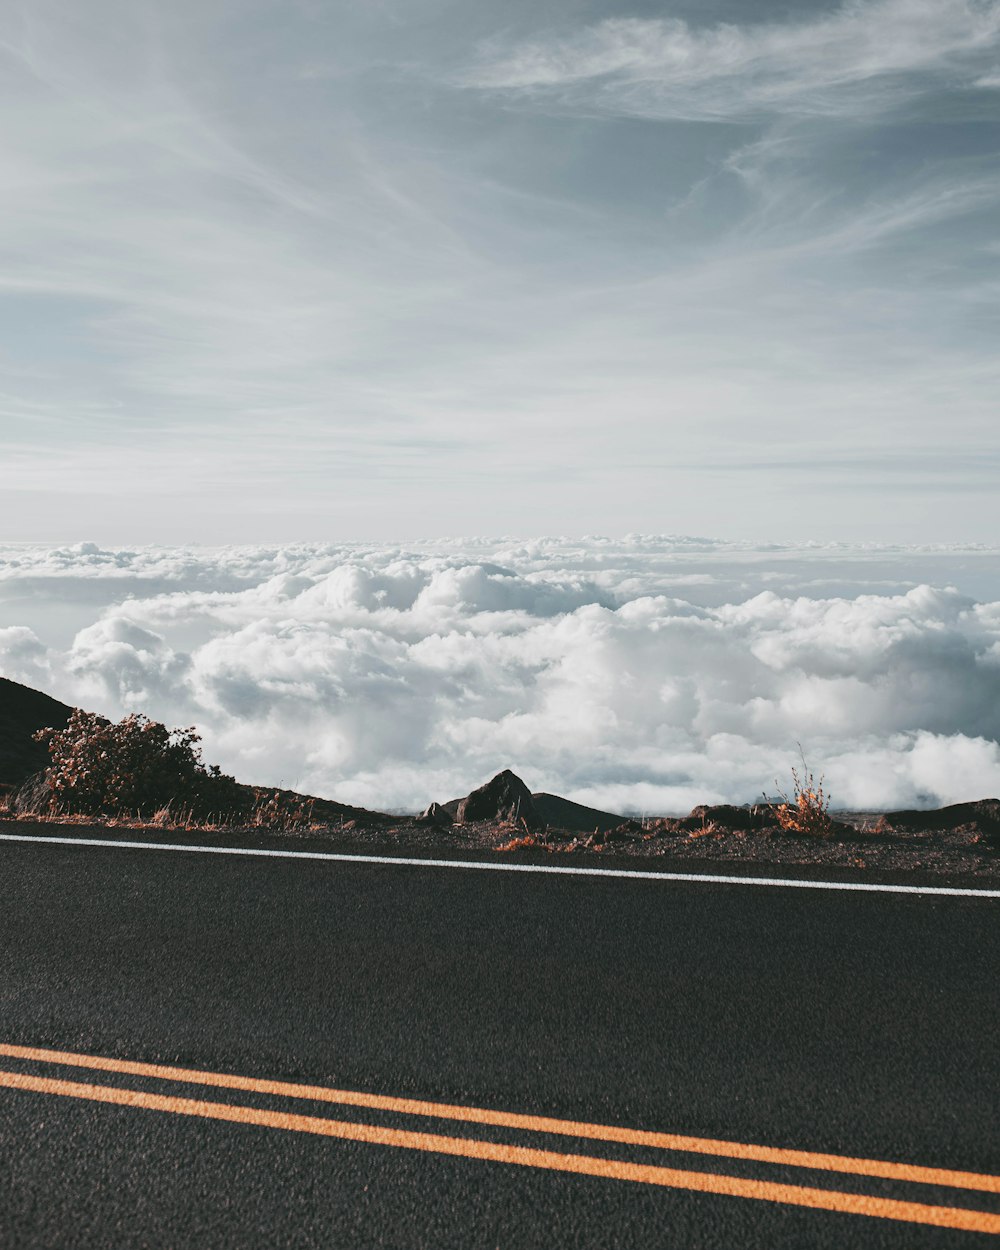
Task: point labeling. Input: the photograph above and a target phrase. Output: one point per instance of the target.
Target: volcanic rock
(436, 814)
(505, 797)
(627, 831)
(982, 814)
(728, 817)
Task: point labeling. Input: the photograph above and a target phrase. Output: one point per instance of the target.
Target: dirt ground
(860, 845)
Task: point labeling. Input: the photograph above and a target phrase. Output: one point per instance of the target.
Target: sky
(319, 272)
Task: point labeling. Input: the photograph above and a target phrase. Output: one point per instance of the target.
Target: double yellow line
(964, 1218)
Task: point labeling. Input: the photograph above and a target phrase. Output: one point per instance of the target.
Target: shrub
(136, 766)
(808, 809)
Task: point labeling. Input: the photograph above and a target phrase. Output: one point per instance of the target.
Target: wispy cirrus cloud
(859, 59)
(295, 276)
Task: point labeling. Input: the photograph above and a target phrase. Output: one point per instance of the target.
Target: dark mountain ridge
(23, 712)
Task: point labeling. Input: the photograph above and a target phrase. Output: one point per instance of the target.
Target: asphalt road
(853, 1024)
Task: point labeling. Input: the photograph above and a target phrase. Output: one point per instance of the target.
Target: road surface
(446, 1024)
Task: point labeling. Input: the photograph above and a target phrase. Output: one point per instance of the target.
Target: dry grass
(28, 801)
(279, 810)
(270, 812)
(807, 811)
(518, 844)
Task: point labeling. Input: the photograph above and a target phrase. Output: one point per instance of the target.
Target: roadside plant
(135, 766)
(518, 844)
(807, 809)
(279, 810)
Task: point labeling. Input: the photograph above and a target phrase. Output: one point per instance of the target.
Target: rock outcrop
(727, 816)
(981, 814)
(436, 814)
(504, 797)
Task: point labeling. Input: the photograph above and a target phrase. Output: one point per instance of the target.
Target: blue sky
(314, 270)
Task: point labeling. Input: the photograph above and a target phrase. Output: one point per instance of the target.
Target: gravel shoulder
(965, 855)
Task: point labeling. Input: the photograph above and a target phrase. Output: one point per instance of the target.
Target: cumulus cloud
(22, 652)
(641, 675)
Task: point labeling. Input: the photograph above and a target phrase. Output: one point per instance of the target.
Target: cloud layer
(642, 675)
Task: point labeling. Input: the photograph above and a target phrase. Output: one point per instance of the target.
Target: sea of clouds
(642, 674)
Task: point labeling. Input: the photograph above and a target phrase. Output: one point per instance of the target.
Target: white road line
(499, 866)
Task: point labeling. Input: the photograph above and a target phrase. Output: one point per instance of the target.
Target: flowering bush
(136, 766)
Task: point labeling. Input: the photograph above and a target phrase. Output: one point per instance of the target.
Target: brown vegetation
(139, 773)
(808, 809)
(100, 768)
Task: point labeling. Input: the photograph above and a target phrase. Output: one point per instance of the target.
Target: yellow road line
(614, 1169)
(909, 1172)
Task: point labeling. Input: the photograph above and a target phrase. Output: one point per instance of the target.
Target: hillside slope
(23, 711)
